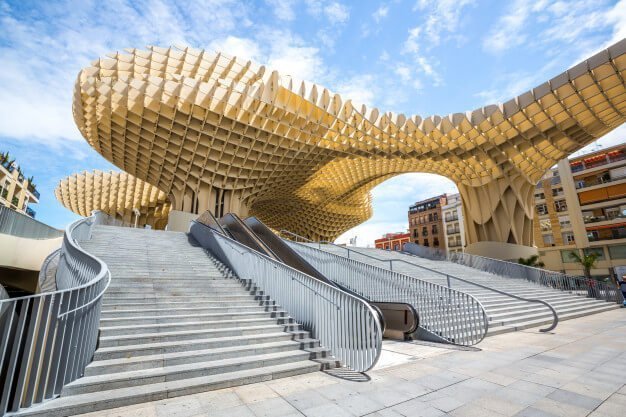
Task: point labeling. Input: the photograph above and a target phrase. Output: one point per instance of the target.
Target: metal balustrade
(20, 225)
(450, 314)
(47, 340)
(575, 285)
(343, 323)
(47, 273)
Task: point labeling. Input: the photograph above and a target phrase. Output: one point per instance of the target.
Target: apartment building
(16, 191)
(453, 228)
(426, 222)
(393, 241)
(580, 207)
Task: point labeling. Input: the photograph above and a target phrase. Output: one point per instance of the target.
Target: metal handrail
(555, 316)
(47, 275)
(48, 339)
(343, 323)
(20, 225)
(550, 279)
(452, 315)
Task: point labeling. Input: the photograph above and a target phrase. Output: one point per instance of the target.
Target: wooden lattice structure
(215, 132)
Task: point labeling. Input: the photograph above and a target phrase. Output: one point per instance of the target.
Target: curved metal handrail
(550, 279)
(47, 339)
(345, 324)
(555, 320)
(425, 296)
(47, 277)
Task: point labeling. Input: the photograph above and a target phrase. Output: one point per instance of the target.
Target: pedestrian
(622, 286)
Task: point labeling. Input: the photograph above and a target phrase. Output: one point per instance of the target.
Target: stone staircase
(505, 313)
(174, 322)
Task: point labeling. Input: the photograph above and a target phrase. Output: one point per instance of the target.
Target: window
(564, 221)
(425, 242)
(617, 252)
(434, 229)
(598, 251)
(435, 242)
(593, 235)
(566, 256)
(560, 206)
(542, 209)
(619, 233)
(540, 196)
(545, 225)
(548, 240)
(430, 217)
(568, 238)
(557, 191)
(415, 233)
(424, 231)
(435, 216)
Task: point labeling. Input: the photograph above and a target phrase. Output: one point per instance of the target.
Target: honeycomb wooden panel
(115, 193)
(215, 132)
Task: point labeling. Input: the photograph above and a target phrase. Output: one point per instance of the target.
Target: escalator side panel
(283, 251)
(242, 234)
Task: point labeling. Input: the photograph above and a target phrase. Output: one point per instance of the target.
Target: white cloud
(380, 13)
(359, 89)
(283, 9)
(556, 23)
(336, 13)
(42, 51)
(443, 17)
(239, 47)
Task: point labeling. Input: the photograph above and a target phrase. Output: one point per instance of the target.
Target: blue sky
(415, 57)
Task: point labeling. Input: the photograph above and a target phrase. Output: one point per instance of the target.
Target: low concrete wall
(178, 221)
(500, 250)
(24, 253)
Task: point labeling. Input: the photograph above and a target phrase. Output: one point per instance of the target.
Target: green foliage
(586, 261)
(532, 260)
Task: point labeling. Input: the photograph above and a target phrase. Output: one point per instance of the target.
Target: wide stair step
(174, 321)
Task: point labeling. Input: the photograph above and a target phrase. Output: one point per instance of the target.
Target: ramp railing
(47, 339)
(452, 315)
(343, 323)
(581, 286)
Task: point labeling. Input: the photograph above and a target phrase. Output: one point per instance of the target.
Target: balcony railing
(617, 235)
(596, 219)
(605, 161)
(20, 225)
(584, 184)
(34, 191)
(32, 213)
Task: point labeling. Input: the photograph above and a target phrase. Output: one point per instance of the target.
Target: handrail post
(391, 264)
(448, 279)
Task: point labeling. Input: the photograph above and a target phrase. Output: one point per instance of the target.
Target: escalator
(399, 320)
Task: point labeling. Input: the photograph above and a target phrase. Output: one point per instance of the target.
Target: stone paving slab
(577, 370)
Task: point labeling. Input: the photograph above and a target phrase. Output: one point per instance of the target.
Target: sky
(420, 57)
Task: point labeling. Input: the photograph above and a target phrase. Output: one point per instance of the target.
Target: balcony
(453, 231)
(454, 244)
(32, 213)
(580, 184)
(33, 191)
(598, 161)
(452, 218)
(606, 233)
(596, 219)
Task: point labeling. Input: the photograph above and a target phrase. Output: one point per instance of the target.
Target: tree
(532, 260)
(587, 261)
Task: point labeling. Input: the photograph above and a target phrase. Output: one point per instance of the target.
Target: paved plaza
(577, 370)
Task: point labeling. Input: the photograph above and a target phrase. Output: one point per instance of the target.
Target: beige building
(580, 206)
(16, 191)
(453, 228)
(222, 134)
